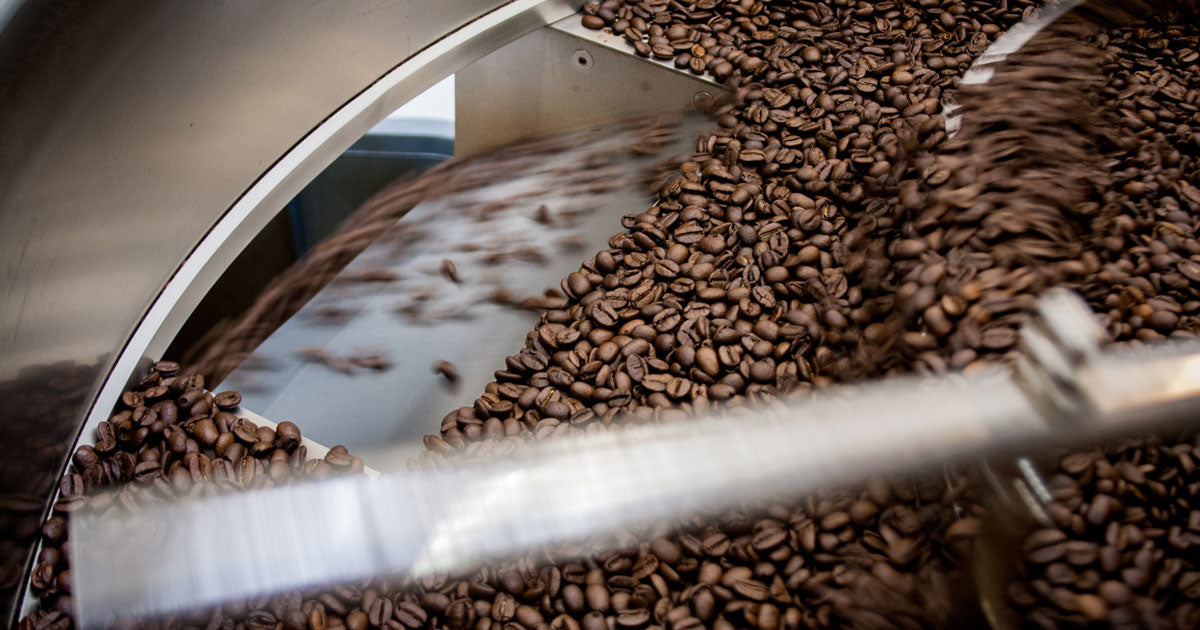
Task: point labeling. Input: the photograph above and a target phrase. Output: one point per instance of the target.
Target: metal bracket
(563, 78)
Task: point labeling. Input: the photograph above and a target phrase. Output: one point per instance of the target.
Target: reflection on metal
(1164, 385)
(448, 518)
(1104, 391)
(560, 79)
(296, 168)
(128, 137)
(529, 223)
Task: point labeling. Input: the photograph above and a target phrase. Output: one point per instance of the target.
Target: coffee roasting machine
(145, 144)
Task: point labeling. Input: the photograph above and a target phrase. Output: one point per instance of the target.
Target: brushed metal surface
(574, 491)
(305, 161)
(368, 410)
(540, 85)
(147, 119)
(143, 145)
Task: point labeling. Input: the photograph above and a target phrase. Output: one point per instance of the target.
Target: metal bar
(575, 490)
(567, 492)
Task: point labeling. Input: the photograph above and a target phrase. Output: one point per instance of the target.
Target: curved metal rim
(288, 175)
(300, 165)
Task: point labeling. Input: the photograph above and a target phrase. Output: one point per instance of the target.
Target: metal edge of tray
(562, 78)
(572, 25)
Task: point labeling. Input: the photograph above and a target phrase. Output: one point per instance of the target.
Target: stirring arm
(202, 552)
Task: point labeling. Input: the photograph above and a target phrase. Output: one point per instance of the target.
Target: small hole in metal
(583, 60)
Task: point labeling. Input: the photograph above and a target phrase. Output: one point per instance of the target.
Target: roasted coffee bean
(594, 620)
(410, 614)
(449, 270)
(447, 370)
(828, 231)
(287, 435)
(633, 618)
(43, 575)
(750, 589)
(317, 619)
(166, 368)
(261, 620)
(598, 598)
(228, 401)
(380, 612)
(54, 530)
(205, 432)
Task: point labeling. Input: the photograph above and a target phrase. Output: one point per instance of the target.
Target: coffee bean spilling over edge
(751, 278)
(168, 438)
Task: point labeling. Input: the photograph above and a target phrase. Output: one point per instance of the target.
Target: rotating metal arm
(567, 492)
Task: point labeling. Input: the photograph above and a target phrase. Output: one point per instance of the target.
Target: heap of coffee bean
(1098, 198)
(1124, 550)
(777, 259)
(1146, 234)
(743, 282)
(168, 438)
(995, 215)
(759, 271)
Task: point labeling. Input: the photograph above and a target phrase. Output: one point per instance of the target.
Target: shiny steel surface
(303, 162)
(1162, 390)
(586, 183)
(563, 78)
(580, 490)
(135, 133)
(558, 492)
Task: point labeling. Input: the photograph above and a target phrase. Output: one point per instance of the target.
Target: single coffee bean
(594, 620)
(205, 432)
(228, 401)
(287, 435)
(447, 370)
(449, 270)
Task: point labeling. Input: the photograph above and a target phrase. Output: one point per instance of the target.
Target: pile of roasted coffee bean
(1124, 543)
(994, 215)
(826, 231)
(168, 438)
(1125, 549)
